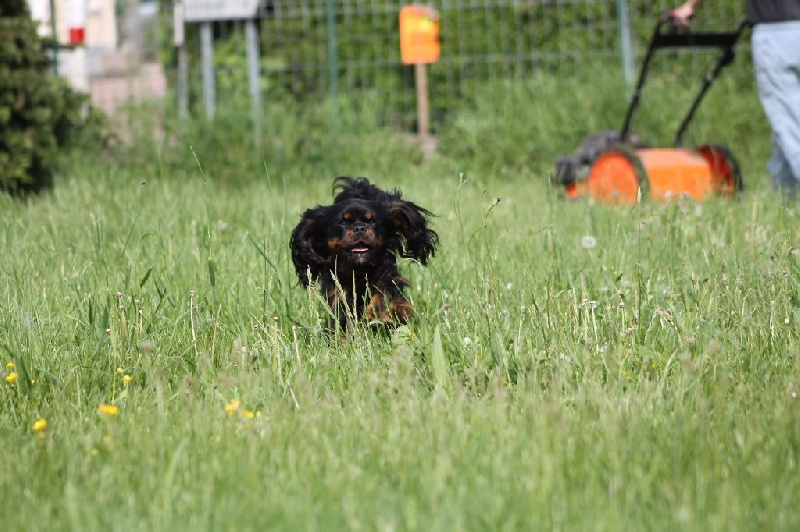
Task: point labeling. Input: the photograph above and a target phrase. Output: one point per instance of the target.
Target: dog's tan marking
(402, 309)
(399, 310)
(377, 311)
(369, 237)
(334, 242)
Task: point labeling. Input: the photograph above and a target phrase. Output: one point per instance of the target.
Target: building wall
(101, 26)
(100, 34)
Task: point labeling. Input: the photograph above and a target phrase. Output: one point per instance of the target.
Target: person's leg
(779, 170)
(776, 58)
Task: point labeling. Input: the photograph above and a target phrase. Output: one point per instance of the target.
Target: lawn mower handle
(677, 37)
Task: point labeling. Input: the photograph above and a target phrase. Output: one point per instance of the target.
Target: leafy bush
(39, 113)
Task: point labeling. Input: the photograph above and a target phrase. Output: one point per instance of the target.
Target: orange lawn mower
(617, 167)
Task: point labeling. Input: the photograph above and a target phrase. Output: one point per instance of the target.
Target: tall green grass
(511, 128)
(570, 366)
(504, 130)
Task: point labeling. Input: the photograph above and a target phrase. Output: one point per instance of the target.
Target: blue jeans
(776, 57)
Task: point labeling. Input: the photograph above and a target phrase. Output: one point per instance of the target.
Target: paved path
(148, 83)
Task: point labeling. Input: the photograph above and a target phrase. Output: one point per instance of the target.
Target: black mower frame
(666, 35)
(677, 37)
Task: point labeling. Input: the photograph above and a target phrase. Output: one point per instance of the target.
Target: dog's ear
(308, 245)
(410, 221)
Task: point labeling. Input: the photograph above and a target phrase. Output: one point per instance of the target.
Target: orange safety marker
(419, 35)
(419, 46)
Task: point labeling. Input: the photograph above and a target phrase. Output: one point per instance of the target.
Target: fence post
(54, 30)
(207, 52)
(180, 41)
(626, 44)
(333, 68)
(254, 73)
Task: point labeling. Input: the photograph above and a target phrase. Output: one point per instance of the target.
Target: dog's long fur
(351, 249)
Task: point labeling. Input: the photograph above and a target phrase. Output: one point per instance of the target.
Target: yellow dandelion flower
(233, 406)
(249, 414)
(10, 365)
(120, 371)
(127, 379)
(40, 424)
(109, 410)
(11, 378)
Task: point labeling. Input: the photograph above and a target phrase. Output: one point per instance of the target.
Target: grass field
(569, 367)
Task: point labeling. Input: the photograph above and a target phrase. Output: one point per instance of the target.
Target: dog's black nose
(360, 229)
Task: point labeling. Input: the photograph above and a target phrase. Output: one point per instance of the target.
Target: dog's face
(356, 234)
(365, 228)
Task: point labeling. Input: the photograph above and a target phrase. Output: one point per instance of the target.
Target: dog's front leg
(340, 312)
(398, 309)
(401, 308)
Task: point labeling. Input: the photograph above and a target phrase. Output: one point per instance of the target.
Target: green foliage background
(481, 42)
(503, 130)
(519, 84)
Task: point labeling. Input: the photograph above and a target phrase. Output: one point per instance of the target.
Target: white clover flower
(588, 242)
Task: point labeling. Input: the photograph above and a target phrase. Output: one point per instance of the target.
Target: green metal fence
(313, 49)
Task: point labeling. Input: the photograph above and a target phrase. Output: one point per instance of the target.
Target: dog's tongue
(359, 250)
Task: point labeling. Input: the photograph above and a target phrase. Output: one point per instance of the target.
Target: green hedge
(38, 112)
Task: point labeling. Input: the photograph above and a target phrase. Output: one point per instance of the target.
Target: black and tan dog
(351, 248)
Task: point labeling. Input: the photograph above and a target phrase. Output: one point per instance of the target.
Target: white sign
(209, 10)
(180, 33)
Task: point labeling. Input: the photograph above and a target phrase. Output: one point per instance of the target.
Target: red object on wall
(77, 36)
(76, 22)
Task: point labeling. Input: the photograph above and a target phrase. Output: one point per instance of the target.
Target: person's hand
(682, 15)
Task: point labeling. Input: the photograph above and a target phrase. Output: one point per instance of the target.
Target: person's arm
(683, 13)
